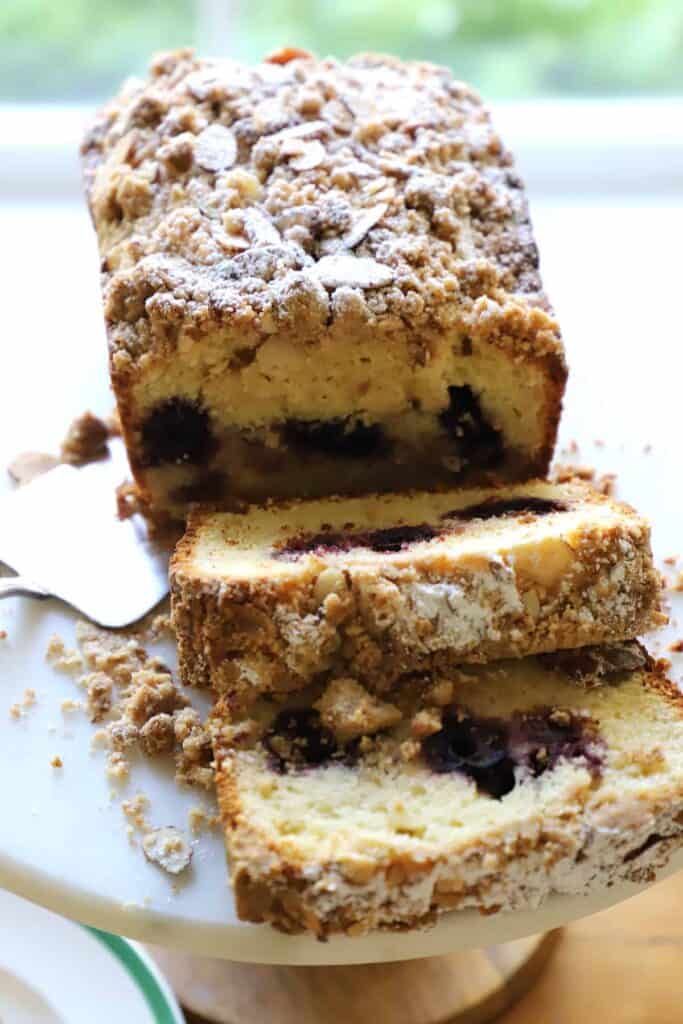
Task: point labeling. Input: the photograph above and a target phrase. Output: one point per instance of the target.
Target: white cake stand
(63, 844)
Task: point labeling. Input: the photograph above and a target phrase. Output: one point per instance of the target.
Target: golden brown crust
(227, 193)
(592, 840)
(244, 635)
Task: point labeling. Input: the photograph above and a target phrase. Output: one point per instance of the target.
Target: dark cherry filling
(392, 538)
(508, 507)
(177, 431)
(346, 438)
(488, 750)
(600, 661)
(396, 538)
(477, 747)
(208, 487)
(477, 442)
(539, 739)
(297, 738)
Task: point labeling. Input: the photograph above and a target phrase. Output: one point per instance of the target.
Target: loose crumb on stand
(18, 710)
(137, 702)
(85, 440)
(168, 848)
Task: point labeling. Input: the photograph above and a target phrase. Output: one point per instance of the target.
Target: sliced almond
(363, 223)
(225, 74)
(312, 154)
(306, 130)
(259, 229)
(29, 465)
(168, 847)
(344, 270)
(215, 148)
(375, 186)
(359, 169)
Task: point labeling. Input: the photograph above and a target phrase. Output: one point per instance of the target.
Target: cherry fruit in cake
(477, 442)
(298, 738)
(177, 431)
(350, 439)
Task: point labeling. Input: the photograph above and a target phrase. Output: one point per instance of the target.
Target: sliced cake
(491, 787)
(318, 276)
(379, 586)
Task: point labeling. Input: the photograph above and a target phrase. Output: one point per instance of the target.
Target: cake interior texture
(385, 584)
(318, 276)
(492, 787)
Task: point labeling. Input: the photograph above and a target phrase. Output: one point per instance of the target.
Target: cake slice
(379, 586)
(318, 276)
(492, 787)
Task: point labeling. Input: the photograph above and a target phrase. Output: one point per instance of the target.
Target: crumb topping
(350, 711)
(86, 440)
(312, 192)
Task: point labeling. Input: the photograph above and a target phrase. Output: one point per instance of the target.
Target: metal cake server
(60, 533)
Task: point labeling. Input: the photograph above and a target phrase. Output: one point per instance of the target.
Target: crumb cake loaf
(489, 788)
(385, 584)
(318, 276)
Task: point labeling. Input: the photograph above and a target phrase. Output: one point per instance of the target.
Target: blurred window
(79, 50)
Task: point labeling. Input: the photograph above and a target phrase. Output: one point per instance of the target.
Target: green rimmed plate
(53, 971)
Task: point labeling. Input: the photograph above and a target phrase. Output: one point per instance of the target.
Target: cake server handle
(12, 586)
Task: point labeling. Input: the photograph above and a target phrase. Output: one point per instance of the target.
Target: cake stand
(63, 844)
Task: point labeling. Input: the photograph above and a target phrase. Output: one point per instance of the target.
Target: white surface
(614, 275)
(81, 552)
(77, 981)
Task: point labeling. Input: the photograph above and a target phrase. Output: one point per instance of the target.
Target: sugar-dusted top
(309, 191)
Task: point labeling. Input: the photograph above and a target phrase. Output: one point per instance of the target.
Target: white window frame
(567, 147)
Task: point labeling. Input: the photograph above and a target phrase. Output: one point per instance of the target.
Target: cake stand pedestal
(468, 987)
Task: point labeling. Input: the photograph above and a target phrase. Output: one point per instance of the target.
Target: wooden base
(469, 987)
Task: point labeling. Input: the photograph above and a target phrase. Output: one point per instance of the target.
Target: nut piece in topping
(215, 148)
(258, 229)
(363, 224)
(85, 441)
(169, 848)
(350, 711)
(28, 465)
(426, 722)
(306, 155)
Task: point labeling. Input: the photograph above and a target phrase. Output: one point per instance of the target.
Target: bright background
(79, 49)
(587, 93)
